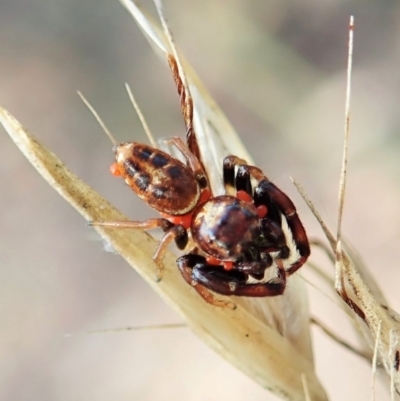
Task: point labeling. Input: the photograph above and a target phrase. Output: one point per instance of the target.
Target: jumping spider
(237, 237)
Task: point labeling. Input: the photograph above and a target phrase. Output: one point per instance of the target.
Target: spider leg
(172, 232)
(243, 181)
(253, 268)
(186, 105)
(192, 161)
(185, 264)
(229, 178)
(232, 282)
(267, 193)
(191, 149)
(275, 237)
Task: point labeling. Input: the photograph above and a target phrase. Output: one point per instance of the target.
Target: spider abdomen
(163, 182)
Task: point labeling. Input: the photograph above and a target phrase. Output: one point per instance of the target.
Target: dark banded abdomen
(163, 182)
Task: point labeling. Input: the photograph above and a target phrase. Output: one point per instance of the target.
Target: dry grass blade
(381, 322)
(253, 347)
(383, 329)
(378, 324)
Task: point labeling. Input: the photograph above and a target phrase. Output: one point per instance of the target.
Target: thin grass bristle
(339, 276)
(131, 328)
(99, 120)
(141, 117)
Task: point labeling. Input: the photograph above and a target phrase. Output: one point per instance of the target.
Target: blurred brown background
(277, 68)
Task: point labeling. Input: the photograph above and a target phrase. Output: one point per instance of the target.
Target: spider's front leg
(199, 273)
